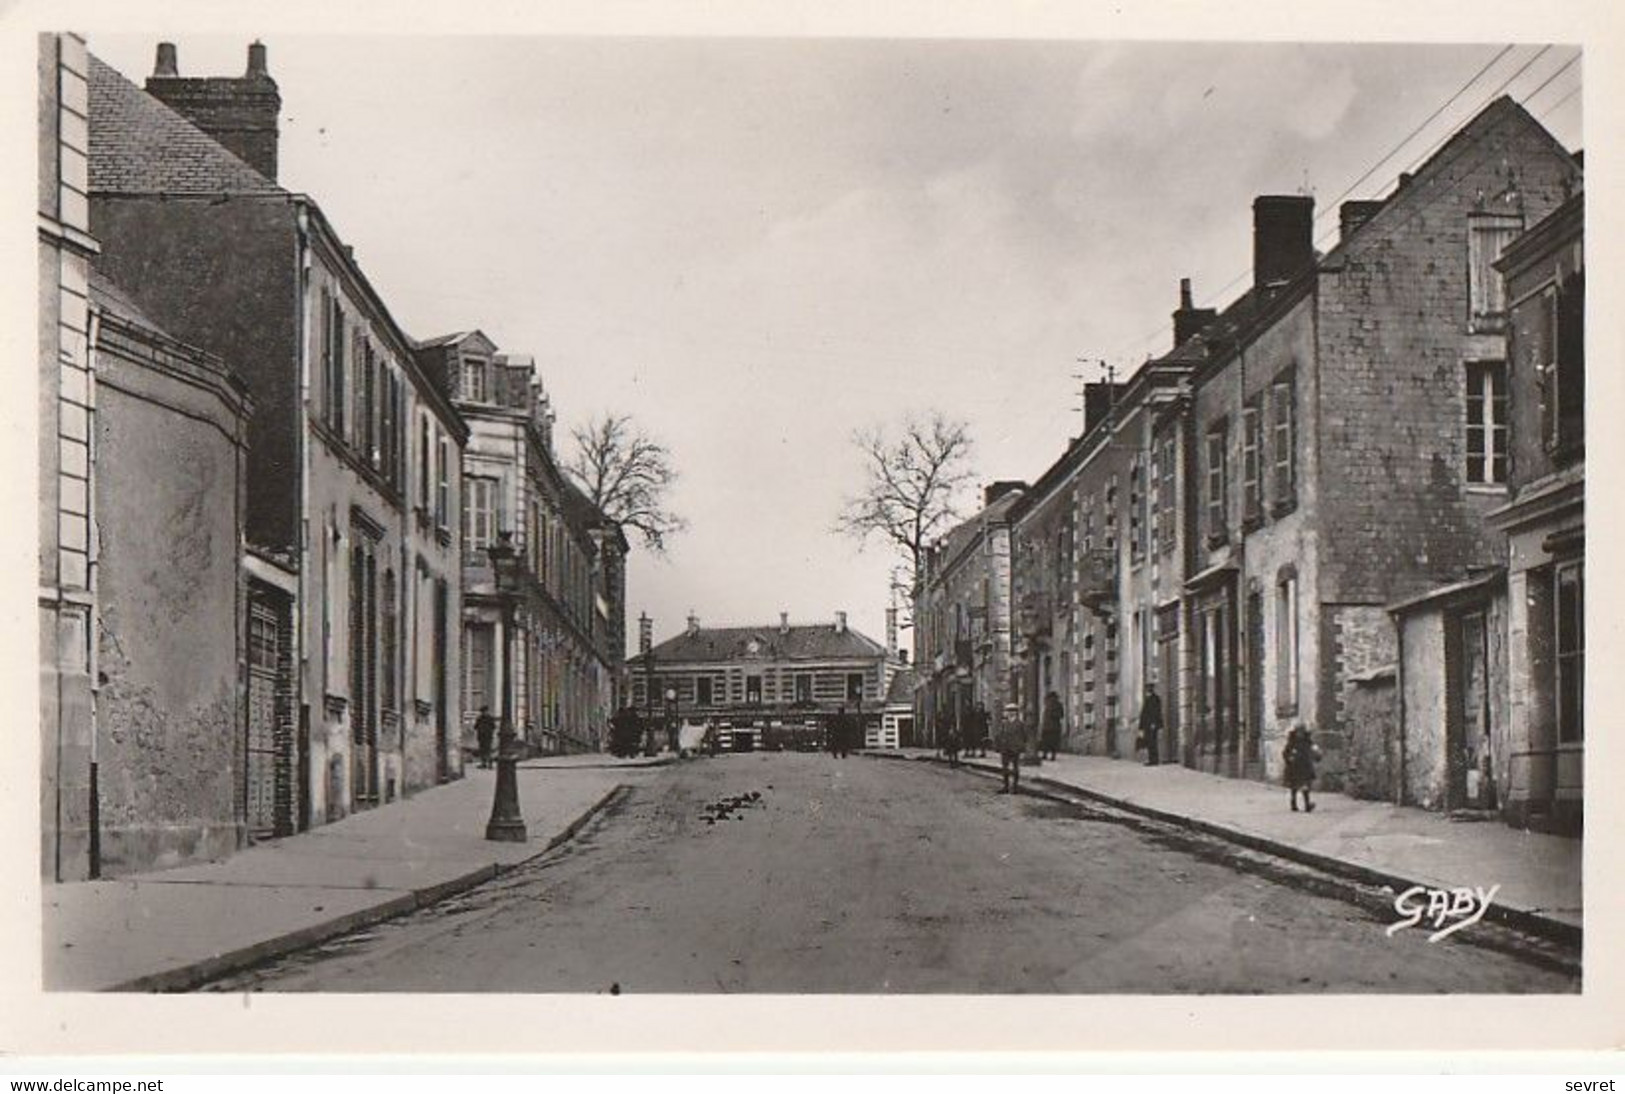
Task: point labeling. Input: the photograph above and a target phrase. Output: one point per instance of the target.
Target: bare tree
(912, 482)
(627, 475)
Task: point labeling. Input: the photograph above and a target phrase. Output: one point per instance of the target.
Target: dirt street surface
(803, 873)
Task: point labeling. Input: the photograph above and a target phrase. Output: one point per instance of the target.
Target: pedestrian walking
(1049, 742)
(1011, 740)
(1151, 725)
(840, 733)
(952, 742)
(979, 725)
(484, 728)
(1300, 755)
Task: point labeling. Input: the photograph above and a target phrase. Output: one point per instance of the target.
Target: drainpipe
(1399, 686)
(92, 571)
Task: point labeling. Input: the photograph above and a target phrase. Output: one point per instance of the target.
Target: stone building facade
(1351, 391)
(1327, 447)
(67, 408)
(172, 748)
(354, 465)
(962, 619)
(569, 583)
(1541, 774)
(771, 686)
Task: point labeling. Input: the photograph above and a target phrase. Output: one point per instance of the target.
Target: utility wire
(1243, 275)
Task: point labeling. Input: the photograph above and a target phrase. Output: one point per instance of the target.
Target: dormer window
(476, 380)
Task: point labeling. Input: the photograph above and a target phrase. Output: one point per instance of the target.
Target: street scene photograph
(860, 516)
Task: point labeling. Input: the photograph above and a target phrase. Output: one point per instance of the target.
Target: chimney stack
(1352, 214)
(784, 622)
(891, 633)
(996, 490)
(645, 632)
(238, 111)
(1283, 238)
(840, 622)
(693, 624)
(1188, 321)
(1098, 397)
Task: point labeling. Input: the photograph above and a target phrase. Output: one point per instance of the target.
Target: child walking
(1300, 755)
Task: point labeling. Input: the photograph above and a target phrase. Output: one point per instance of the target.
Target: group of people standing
(969, 736)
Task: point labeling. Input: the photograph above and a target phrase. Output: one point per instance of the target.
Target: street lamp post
(671, 720)
(506, 825)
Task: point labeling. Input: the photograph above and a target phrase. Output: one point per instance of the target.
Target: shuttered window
(1284, 445)
(1487, 234)
(1216, 487)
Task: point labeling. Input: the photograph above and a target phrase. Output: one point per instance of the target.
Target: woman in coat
(1300, 755)
(1049, 742)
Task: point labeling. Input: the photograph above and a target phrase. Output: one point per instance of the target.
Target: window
(1560, 367)
(391, 625)
(1486, 422)
(1282, 425)
(854, 685)
(753, 689)
(1252, 445)
(479, 513)
(1487, 234)
(333, 359)
(1286, 645)
(702, 691)
(475, 388)
(1136, 516)
(1167, 492)
(1216, 498)
(803, 687)
(424, 463)
(262, 640)
(1570, 628)
(442, 498)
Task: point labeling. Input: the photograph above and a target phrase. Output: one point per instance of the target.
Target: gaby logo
(1445, 910)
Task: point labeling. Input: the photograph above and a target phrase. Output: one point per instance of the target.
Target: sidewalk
(172, 929)
(1373, 842)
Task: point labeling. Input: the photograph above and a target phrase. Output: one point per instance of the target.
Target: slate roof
(901, 691)
(800, 643)
(140, 146)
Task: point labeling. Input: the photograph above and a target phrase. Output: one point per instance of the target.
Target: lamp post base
(507, 824)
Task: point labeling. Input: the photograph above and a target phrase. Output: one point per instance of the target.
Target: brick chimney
(891, 633)
(238, 111)
(693, 624)
(840, 622)
(996, 490)
(1098, 399)
(1283, 238)
(784, 622)
(646, 628)
(1352, 214)
(1188, 320)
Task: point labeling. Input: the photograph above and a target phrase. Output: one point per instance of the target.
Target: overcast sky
(755, 246)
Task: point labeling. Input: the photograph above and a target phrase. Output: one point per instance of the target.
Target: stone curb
(1512, 915)
(186, 977)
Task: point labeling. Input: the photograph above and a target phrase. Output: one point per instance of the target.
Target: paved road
(861, 875)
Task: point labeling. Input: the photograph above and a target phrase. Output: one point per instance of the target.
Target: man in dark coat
(484, 728)
(1151, 725)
